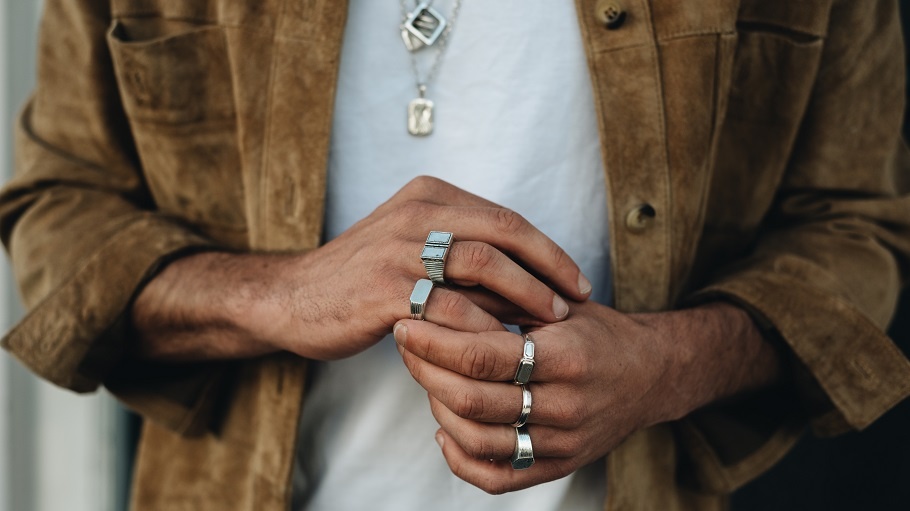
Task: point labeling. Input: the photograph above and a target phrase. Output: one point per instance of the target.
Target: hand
(341, 298)
(599, 376)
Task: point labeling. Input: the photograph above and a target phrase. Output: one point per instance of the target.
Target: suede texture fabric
(752, 154)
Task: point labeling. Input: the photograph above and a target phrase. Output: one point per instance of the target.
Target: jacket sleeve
(81, 228)
(825, 274)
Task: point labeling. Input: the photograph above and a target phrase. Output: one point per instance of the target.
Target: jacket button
(611, 15)
(640, 218)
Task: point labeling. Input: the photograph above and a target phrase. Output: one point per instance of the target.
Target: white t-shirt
(515, 124)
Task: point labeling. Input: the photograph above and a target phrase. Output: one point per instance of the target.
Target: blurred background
(63, 451)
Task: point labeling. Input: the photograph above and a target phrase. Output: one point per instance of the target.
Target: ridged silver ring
(434, 254)
(419, 297)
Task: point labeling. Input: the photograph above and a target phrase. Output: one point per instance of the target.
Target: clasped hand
(599, 376)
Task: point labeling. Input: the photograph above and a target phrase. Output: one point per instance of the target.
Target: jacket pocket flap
(180, 77)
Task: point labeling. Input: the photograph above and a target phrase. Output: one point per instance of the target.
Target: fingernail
(560, 307)
(440, 439)
(584, 285)
(401, 334)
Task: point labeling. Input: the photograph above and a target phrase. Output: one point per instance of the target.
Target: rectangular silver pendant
(420, 117)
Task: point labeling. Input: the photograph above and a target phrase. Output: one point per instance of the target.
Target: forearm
(717, 352)
(204, 306)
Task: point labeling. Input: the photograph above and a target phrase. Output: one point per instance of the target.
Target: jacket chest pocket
(772, 79)
(175, 84)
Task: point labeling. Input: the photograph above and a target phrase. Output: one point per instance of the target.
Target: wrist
(202, 306)
(715, 352)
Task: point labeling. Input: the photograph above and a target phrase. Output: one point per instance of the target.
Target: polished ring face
(526, 402)
(523, 456)
(419, 297)
(431, 253)
(439, 238)
(526, 364)
(434, 254)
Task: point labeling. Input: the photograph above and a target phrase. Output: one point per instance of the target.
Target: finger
(479, 440)
(491, 356)
(500, 308)
(498, 477)
(484, 441)
(482, 263)
(496, 403)
(514, 235)
(507, 231)
(453, 310)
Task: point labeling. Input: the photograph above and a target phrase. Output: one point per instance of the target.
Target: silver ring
(419, 297)
(434, 254)
(526, 401)
(523, 456)
(526, 364)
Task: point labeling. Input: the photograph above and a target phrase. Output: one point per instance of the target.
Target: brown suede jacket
(752, 154)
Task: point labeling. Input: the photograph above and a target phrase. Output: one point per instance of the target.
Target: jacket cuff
(78, 334)
(841, 372)
(860, 370)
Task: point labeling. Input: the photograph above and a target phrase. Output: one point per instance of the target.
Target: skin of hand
(599, 376)
(341, 298)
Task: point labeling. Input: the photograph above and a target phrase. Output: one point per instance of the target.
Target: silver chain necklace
(420, 28)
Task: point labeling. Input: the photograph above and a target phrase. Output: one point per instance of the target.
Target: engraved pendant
(425, 24)
(420, 117)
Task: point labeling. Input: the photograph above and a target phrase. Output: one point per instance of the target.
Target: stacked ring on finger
(419, 297)
(526, 364)
(523, 456)
(434, 254)
(526, 401)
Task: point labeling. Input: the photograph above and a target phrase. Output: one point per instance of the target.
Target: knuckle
(576, 412)
(466, 404)
(386, 282)
(574, 366)
(415, 368)
(478, 363)
(411, 209)
(561, 259)
(457, 467)
(479, 448)
(509, 222)
(570, 444)
(570, 412)
(450, 304)
(494, 487)
(491, 324)
(480, 256)
(422, 184)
